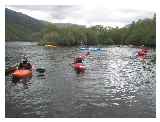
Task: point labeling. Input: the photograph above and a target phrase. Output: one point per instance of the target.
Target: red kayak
(23, 73)
(79, 67)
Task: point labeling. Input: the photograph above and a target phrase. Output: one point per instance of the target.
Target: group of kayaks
(18, 72)
(25, 73)
(77, 65)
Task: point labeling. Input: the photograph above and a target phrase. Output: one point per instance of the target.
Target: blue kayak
(83, 48)
(92, 49)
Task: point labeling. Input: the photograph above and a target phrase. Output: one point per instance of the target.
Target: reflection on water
(115, 83)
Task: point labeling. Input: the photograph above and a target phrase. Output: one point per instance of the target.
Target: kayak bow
(79, 67)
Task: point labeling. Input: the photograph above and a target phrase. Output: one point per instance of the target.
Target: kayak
(50, 46)
(79, 67)
(83, 48)
(22, 73)
(93, 49)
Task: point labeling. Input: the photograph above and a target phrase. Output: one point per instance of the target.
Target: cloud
(85, 15)
(57, 12)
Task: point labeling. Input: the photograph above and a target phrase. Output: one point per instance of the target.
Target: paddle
(40, 70)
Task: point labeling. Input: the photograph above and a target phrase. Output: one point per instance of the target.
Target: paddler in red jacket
(80, 58)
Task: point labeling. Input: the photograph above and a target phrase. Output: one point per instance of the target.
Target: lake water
(115, 83)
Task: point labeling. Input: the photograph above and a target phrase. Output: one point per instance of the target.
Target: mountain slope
(21, 27)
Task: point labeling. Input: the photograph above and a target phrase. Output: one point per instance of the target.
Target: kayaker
(78, 59)
(25, 64)
(145, 50)
(141, 53)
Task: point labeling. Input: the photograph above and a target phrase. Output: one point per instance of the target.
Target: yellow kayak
(50, 46)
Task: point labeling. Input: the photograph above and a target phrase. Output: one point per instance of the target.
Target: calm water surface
(115, 83)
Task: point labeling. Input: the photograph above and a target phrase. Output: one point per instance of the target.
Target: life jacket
(141, 53)
(25, 66)
(78, 60)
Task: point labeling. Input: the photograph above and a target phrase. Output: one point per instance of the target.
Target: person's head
(80, 57)
(25, 59)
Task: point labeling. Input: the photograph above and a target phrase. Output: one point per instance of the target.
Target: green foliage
(20, 27)
(143, 32)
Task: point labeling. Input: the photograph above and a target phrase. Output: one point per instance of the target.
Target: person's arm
(17, 65)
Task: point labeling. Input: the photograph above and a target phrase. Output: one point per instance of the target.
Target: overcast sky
(83, 15)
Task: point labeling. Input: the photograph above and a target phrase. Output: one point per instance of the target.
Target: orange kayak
(22, 73)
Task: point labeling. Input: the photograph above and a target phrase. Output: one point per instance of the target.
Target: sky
(83, 15)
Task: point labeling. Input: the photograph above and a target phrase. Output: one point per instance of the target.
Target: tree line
(141, 32)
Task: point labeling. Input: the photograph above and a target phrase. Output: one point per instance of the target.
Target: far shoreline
(78, 46)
